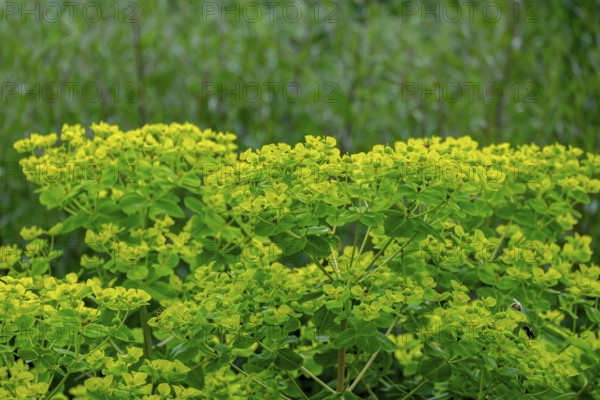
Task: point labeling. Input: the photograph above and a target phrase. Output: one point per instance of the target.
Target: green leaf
(95, 331)
(28, 354)
(312, 295)
(365, 328)
(348, 215)
(592, 313)
(435, 370)
(288, 360)
(190, 180)
(395, 225)
(422, 227)
(317, 230)
(53, 196)
(580, 196)
(39, 266)
(486, 274)
(161, 291)
(368, 344)
(305, 219)
(347, 338)
(74, 222)
(342, 217)
(508, 371)
(318, 247)
(138, 273)
(184, 352)
(194, 204)
(508, 283)
(169, 207)
(168, 259)
(132, 202)
(538, 205)
(291, 245)
(322, 209)
(323, 319)
(559, 208)
(265, 228)
(385, 343)
(372, 219)
(328, 358)
(243, 341)
(264, 359)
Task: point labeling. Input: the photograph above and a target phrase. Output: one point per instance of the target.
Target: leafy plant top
(299, 272)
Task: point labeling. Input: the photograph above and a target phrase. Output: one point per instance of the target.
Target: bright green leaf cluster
(392, 271)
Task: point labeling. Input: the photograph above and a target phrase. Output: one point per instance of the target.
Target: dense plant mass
(424, 268)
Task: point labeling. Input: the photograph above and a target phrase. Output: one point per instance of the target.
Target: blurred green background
(365, 72)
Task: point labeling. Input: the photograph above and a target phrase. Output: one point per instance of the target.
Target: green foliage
(297, 271)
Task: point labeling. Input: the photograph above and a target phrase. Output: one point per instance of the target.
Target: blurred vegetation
(368, 71)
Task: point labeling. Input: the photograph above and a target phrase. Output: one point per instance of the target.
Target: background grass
(368, 72)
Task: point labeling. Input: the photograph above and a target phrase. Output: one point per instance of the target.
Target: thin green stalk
(379, 253)
(318, 264)
(480, 394)
(341, 369)
(587, 386)
(355, 244)
(429, 210)
(254, 379)
(303, 369)
(365, 276)
(364, 242)
(296, 385)
(108, 338)
(62, 381)
(493, 257)
(415, 390)
(334, 264)
(354, 364)
(146, 332)
(373, 395)
(363, 372)
(316, 379)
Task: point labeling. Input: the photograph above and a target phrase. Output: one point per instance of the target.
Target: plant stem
(480, 394)
(587, 386)
(373, 395)
(364, 242)
(320, 382)
(379, 253)
(341, 370)
(62, 381)
(302, 368)
(400, 250)
(334, 264)
(146, 331)
(354, 245)
(254, 379)
(416, 389)
(297, 386)
(320, 266)
(363, 372)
